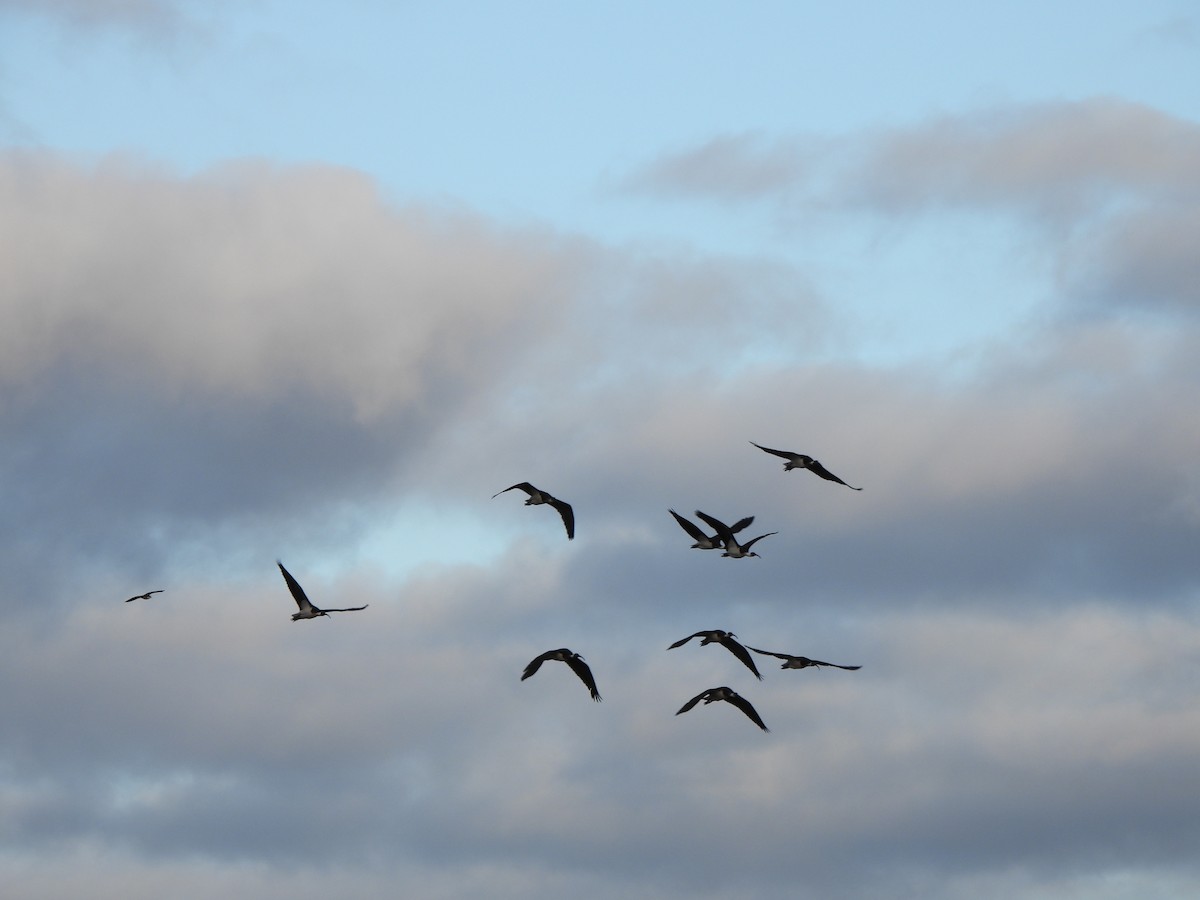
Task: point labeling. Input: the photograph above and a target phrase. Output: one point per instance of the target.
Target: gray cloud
(1112, 184)
(202, 374)
(736, 166)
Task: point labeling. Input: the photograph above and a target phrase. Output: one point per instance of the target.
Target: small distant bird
(800, 662)
(537, 497)
(732, 548)
(703, 541)
(145, 596)
(572, 659)
(729, 695)
(726, 639)
(307, 610)
(802, 461)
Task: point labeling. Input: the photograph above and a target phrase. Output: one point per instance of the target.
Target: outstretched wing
(689, 526)
(817, 662)
(700, 696)
(750, 543)
(524, 485)
(298, 594)
(769, 653)
(347, 608)
(580, 668)
(744, 705)
(145, 596)
(819, 469)
(785, 454)
(536, 663)
(683, 641)
(740, 652)
(740, 524)
(568, 516)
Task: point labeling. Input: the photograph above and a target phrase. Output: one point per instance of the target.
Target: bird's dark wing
(785, 454)
(740, 524)
(568, 516)
(817, 662)
(580, 668)
(347, 609)
(744, 705)
(145, 596)
(750, 543)
(819, 469)
(769, 653)
(689, 526)
(700, 696)
(536, 664)
(298, 594)
(740, 652)
(683, 641)
(524, 485)
(721, 528)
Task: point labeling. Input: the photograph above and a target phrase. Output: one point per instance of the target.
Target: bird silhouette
(800, 662)
(537, 497)
(572, 659)
(733, 549)
(145, 596)
(729, 695)
(307, 610)
(726, 639)
(704, 541)
(803, 461)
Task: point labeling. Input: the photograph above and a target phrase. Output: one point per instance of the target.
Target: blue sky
(538, 112)
(313, 281)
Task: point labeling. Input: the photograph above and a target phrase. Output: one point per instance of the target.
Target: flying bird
(572, 659)
(145, 596)
(729, 695)
(704, 541)
(732, 549)
(537, 497)
(307, 610)
(800, 662)
(726, 639)
(803, 461)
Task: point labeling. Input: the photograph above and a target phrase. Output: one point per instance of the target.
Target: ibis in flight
(537, 498)
(307, 610)
(803, 461)
(572, 659)
(800, 662)
(733, 549)
(726, 639)
(729, 695)
(145, 596)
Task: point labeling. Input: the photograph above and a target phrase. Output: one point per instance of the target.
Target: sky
(312, 281)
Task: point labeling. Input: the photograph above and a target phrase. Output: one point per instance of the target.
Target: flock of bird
(723, 539)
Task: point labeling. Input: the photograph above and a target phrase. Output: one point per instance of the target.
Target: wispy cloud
(161, 18)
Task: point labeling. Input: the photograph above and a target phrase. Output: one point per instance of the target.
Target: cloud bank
(201, 374)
